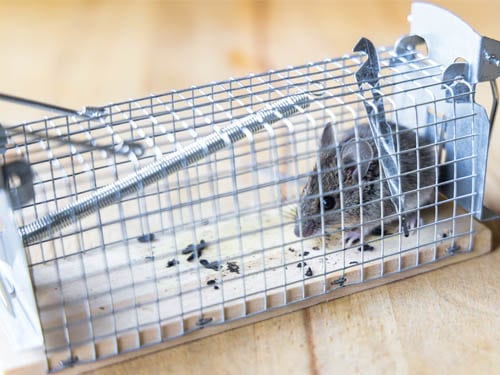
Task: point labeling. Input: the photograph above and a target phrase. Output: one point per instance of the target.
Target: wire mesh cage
(159, 216)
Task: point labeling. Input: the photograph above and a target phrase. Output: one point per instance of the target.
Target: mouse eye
(328, 203)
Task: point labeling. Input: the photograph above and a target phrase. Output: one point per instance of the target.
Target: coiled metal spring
(163, 167)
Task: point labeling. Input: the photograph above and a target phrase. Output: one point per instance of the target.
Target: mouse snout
(308, 228)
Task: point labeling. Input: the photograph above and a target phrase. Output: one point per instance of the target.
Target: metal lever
(88, 113)
(17, 304)
(367, 75)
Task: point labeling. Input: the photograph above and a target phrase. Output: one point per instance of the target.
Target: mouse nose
(308, 228)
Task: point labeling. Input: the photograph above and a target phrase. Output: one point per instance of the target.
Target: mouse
(352, 177)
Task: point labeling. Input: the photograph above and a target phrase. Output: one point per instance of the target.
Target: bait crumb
(366, 247)
(315, 248)
(150, 237)
(233, 267)
(101, 307)
(309, 272)
(215, 265)
(172, 262)
(301, 264)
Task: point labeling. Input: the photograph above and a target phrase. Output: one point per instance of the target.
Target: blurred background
(78, 53)
(91, 52)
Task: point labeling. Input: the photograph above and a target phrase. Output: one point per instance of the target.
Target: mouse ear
(327, 136)
(351, 161)
(327, 140)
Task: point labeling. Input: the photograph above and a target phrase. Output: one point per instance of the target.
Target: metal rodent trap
(142, 222)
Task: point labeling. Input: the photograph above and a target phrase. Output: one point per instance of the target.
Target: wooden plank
(275, 302)
(98, 293)
(378, 330)
(21, 363)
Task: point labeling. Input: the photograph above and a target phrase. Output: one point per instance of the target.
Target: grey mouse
(359, 180)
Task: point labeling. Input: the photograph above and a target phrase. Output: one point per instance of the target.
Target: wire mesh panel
(217, 240)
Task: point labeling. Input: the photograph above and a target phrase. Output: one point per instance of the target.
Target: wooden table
(89, 53)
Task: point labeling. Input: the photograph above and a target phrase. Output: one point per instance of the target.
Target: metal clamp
(466, 54)
(17, 179)
(434, 25)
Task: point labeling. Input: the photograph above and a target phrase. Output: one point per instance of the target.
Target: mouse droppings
(190, 248)
(446, 233)
(215, 265)
(309, 272)
(301, 264)
(203, 321)
(211, 282)
(193, 249)
(172, 262)
(233, 267)
(340, 281)
(366, 247)
(315, 248)
(149, 237)
(69, 362)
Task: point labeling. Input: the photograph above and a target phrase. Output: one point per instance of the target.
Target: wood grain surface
(442, 322)
(94, 52)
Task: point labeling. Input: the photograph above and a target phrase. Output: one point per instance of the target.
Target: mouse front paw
(414, 221)
(352, 237)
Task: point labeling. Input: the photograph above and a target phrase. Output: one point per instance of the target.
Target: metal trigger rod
(368, 75)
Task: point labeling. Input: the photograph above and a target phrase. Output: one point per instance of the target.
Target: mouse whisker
(289, 212)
